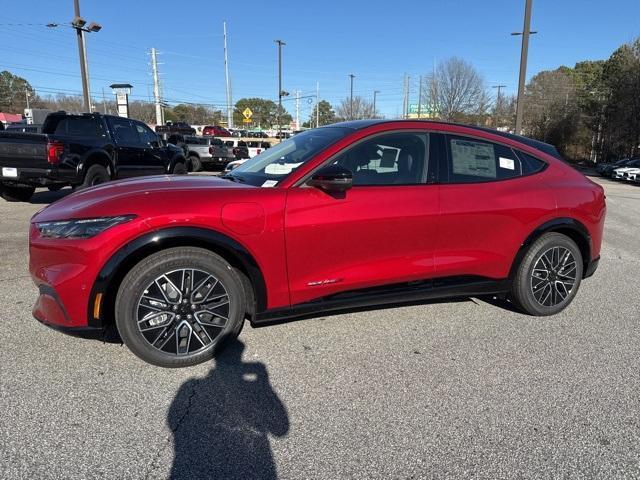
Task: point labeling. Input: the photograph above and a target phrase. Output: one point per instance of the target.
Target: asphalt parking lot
(455, 389)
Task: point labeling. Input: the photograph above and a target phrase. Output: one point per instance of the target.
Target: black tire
(95, 175)
(179, 169)
(538, 293)
(16, 193)
(154, 277)
(196, 164)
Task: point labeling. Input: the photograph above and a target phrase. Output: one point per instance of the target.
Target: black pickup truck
(81, 151)
(181, 128)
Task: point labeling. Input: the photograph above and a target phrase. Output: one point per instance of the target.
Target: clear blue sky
(378, 41)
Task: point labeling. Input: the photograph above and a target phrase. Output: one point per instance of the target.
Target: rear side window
(530, 164)
(79, 127)
(472, 160)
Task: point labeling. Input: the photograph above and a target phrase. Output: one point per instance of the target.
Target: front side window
(124, 133)
(473, 160)
(276, 163)
(147, 137)
(389, 159)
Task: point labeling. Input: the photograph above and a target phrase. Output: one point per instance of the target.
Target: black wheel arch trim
(578, 230)
(122, 260)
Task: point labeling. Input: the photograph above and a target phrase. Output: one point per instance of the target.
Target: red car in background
(215, 131)
(355, 214)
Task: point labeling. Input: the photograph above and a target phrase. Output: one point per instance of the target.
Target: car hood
(115, 198)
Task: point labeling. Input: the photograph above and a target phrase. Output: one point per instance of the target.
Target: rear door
(381, 231)
(129, 147)
(491, 198)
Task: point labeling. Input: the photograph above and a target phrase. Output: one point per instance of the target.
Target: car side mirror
(332, 178)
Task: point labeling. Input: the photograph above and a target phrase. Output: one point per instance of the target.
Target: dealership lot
(453, 389)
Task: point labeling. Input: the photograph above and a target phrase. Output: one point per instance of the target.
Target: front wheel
(549, 275)
(179, 306)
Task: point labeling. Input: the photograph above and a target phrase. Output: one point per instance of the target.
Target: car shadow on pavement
(42, 197)
(221, 423)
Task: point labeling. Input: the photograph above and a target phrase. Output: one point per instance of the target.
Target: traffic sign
(247, 120)
(247, 113)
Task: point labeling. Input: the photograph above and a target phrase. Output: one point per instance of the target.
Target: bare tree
(456, 91)
(361, 109)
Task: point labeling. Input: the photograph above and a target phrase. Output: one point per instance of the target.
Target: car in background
(235, 164)
(239, 148)
(215, 131)
(630, 167)
(353, 215)
(82, 151)
(257, 147)
(181, 128)
(606, 169)
(258, 134)
(207, 152)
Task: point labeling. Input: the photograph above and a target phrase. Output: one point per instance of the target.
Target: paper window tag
(270, 183)
(507, 163)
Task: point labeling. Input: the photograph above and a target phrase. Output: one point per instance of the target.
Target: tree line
(590, 111)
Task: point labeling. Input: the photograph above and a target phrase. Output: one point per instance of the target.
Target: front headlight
(80, 228)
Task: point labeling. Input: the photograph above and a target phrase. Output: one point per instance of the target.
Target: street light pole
(375, 95)
(499, 87)
(351, 76)
(526, 31)
(280, 44)
(84, 70)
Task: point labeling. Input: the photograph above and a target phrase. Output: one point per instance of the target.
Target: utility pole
(280, 92)
(498, 101)
(375, 95)
(526, 31)
(404, 96)
(351, 77)
(226, 75)
(297, 109)
(104, 103)
(156, 87)
(317, 104)
(26, 96)
(84, 69)
(420, 98)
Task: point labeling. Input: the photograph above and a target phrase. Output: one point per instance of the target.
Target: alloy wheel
(553, 276)
(183, 311)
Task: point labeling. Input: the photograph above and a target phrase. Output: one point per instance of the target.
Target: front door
(128, 147)
(381, 231)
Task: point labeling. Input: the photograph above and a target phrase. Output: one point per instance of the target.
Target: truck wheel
(96, 174)
(179, 169)
(196, 164)
(16, 194)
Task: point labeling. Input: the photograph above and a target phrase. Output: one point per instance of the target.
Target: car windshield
(276, 163)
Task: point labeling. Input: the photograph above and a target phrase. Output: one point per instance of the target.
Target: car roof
(537, 144)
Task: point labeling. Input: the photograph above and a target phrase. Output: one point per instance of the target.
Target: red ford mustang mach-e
(354, 214)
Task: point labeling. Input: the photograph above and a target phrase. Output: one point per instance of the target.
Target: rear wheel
(179, 306)
(95, 175)
(196, 164)
(549, 275)
(16, 193)
(179, 169)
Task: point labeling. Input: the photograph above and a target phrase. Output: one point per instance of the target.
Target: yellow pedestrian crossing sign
(247, 113)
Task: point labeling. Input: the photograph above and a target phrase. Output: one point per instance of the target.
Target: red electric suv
(355, 214)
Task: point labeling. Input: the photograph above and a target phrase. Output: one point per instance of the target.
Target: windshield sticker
(270, 183)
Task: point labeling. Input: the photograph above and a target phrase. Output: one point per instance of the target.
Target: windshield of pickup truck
(277, 162)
